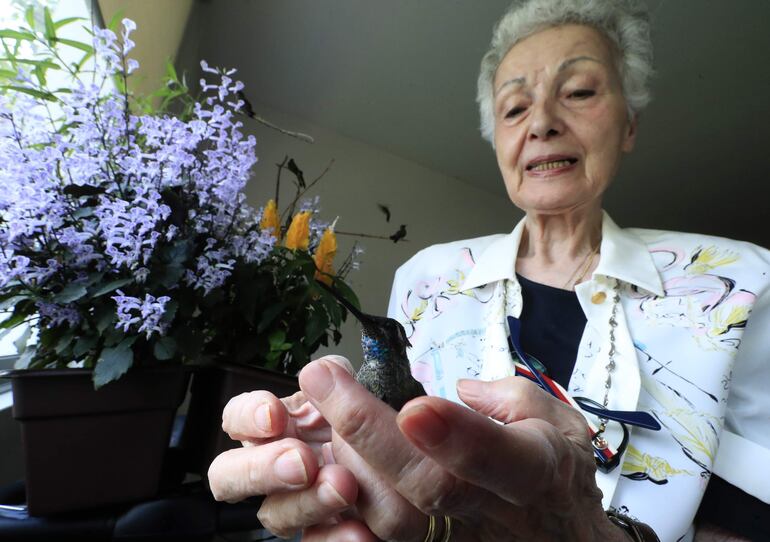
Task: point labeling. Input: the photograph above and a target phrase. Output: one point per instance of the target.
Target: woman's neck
(559, 250)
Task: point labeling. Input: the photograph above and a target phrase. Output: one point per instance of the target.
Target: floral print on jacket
(692, 348)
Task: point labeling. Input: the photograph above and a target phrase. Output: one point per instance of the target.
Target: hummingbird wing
(385, 210)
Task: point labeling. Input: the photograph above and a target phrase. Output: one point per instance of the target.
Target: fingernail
(328, 495)
(290, 468)
(468, 387)
(422, 424)
(341, 361)
(263, 418)
(316, 380)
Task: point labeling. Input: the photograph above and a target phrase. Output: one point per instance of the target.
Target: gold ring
(431, 529)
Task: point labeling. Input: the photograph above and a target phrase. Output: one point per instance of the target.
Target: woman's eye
(582, 93)
(513, 112)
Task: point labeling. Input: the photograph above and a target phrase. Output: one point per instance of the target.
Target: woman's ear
(629, 137)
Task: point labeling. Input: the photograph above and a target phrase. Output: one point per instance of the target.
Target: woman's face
(561, 122)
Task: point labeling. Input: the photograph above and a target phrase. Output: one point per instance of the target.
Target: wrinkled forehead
(548, 52)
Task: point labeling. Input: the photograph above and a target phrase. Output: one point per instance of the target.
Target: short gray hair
(624, 22)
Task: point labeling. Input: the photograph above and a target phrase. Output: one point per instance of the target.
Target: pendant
(600, 443)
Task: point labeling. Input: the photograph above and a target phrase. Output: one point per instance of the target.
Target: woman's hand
(282, 458)
(530, 479)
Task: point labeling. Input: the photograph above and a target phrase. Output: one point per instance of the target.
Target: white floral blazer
(693, 349)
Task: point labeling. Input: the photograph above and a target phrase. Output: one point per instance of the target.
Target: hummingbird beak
(362, 317)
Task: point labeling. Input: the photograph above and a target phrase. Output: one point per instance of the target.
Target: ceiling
(400, 75)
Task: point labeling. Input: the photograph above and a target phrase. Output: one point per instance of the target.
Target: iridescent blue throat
(373, 349)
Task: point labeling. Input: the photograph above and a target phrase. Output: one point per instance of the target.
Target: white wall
(434, 207)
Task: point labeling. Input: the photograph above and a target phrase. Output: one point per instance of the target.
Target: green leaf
(111, 286)
(15, 319)
(270, 314)
(112, 336)
(316, 326)
(168, 315)
(71, 292)
(178, 252)
(333, 307)
(32, 92)
(113, 363)
(50, 30)
(164, 348)
(21, 342)
(115, 20)
(79, 65)
(276, 338)
(84, 344)
(105, 316)
(11, 301)
(17, 35)
(171, 275)
(32, 62)
(76, 44)
(272, 359)
(40, 74)
(171, 70)
(348, 293)
(94, 279)
(120, 84)
(65, 341)
(59, 24)
(7, 74)
(29, 15)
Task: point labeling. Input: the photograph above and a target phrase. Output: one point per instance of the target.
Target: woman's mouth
(551, 165)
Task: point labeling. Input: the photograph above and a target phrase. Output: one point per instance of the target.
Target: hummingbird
(385, 370)
(400, 234)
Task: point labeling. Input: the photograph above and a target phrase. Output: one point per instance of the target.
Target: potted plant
(128, 250)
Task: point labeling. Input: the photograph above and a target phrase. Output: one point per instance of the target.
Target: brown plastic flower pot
(86, 448)
(211, 389)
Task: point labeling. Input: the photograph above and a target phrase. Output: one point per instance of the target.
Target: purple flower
(53, 315)
(212, 269)
(130, 229)
(142, 316)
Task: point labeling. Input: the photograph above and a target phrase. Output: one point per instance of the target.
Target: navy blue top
(552, 324)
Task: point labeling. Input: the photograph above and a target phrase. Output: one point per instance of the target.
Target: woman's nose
(545, 122)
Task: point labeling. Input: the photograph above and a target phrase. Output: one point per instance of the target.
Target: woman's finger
(368, 426)
(254, 415)
(334, 490)
(530, 458)
(258, 416)
(345, 531)
(514, 398)
(283, 465)
(386, 513)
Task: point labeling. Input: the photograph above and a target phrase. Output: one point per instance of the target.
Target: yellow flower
(271, 220)
(324, 256)
(298, 234)
(709, 258)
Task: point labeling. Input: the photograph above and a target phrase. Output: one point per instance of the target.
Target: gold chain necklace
(582, 268)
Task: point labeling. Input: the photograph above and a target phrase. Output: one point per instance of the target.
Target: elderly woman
(634, 321)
